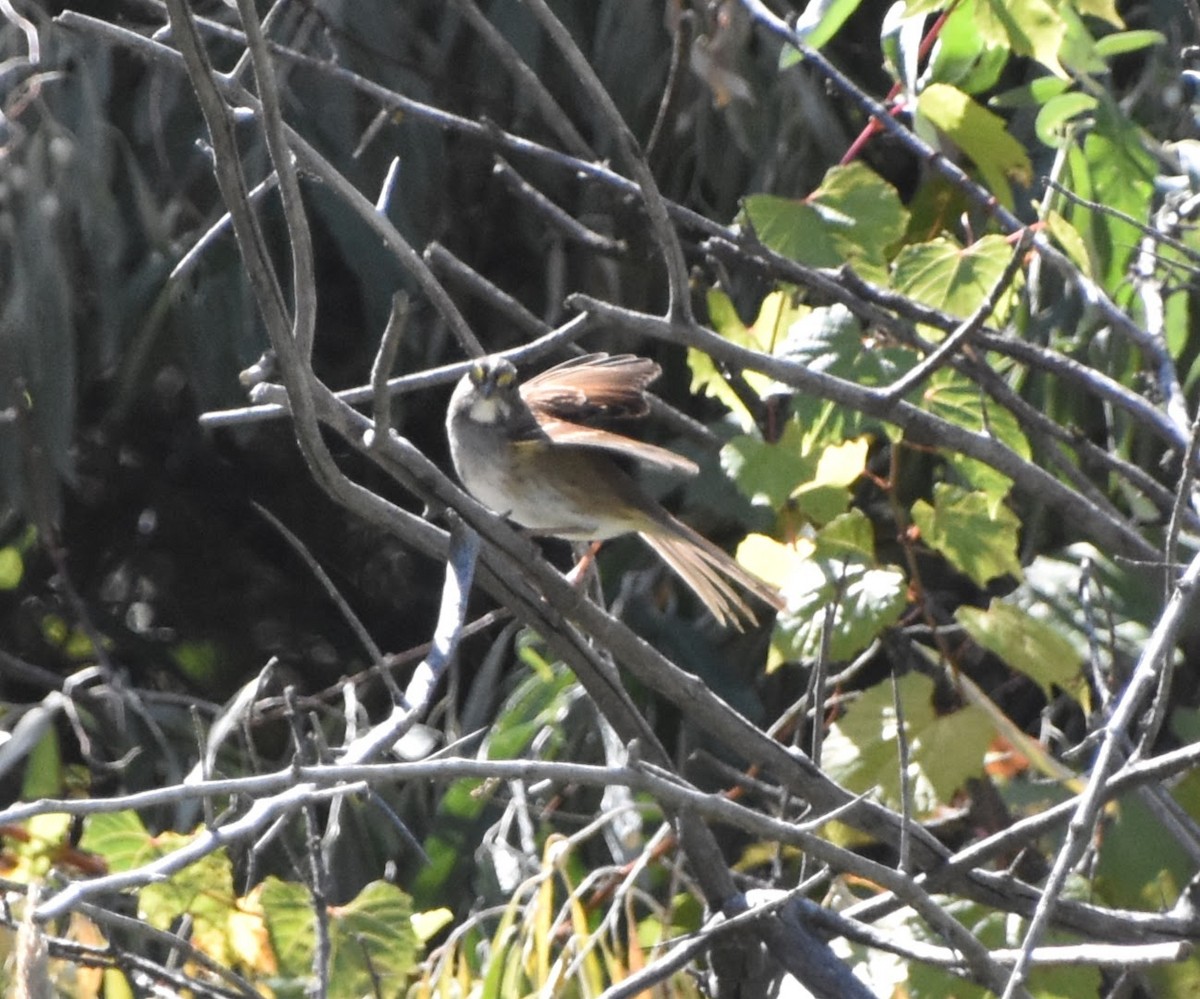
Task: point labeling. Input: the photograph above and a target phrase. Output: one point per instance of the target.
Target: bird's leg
(585, 559)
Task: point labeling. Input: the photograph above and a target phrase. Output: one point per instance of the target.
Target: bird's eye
(505, 377)
(479, 373)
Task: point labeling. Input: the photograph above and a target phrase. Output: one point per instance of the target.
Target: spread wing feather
(563, 433)
(610, 385)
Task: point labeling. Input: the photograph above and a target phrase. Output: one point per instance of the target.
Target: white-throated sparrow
(524, 451)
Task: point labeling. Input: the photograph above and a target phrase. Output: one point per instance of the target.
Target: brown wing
(609, 385)
(562, 432)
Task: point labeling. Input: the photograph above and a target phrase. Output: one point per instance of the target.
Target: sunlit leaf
(1032, 28)
(860, 752)
(859, 602)
(772, 560)
(1028, 645)
(767, 473)
(1068, 238)
(1122, 42)
(980, 134)
(900, 39)
(1058, 113)
(776, 314)
(959, 401)
(975, 536)
(120, 838)
(203, 889)
(249, 940)
(964, 56)
(950, 277)
(1035, 93)
(429, 923)
(12, 567)
(371, 938)
(853, 217)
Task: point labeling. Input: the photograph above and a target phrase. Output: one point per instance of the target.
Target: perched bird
(527, 452)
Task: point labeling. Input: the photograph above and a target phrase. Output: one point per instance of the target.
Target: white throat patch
(488, 410)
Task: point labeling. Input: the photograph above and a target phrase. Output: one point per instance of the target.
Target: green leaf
(974, 534)
(827, 494)
(1050, 594)
(831, 339)
(949, 277)
(430, 923)
(864, 602)
(12, 568)
(198, 660)
(202, 890)
(818, 23)
(900, 40)
(849, 537)
(1053, 120)
(120, 838)
(959, 401)
(43, 777)
(828, 339)
(372, 941)
(1032, 28)
(1028, 645)
(771, 560)
(964, 57)
(860, 752)
(1068, 238)
(776, 314)
(1121, 42)
(1141, 863)
(1112, 169)
(1032, 94)
(538, 704)
(980, 134)
(767, 473)
(812, 480)
(853, 217)
(288, 913)
(374, 945)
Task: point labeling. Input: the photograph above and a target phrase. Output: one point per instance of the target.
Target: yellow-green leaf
(853, 217)
(776, 314)
(864, 601)
(959, 401)
(975, 536)
(1028, 645)
(860, 751)
(771, 560)
(950, 277)
(1067, 237)
(1033, 28)
(426, 925)
(768, 473)
(980, 134)
(12, 568)
(120, 838)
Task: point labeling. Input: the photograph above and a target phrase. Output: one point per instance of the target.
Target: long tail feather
(710, 573)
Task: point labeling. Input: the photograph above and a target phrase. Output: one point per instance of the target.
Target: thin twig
(385, 360)
(561, 220)
(360, 631)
